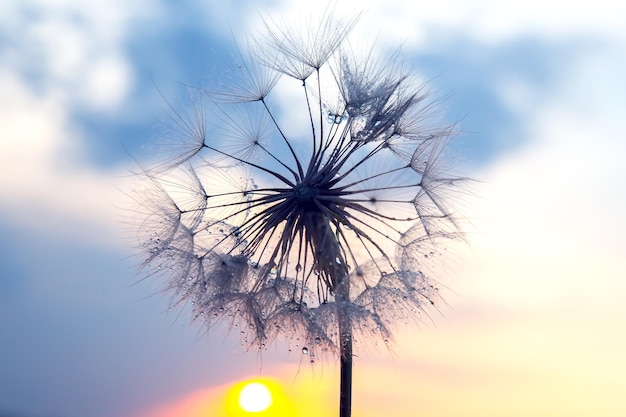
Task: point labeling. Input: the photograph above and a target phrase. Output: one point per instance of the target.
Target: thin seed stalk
(331, 264)
(345, 360)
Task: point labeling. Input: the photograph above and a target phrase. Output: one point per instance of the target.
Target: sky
(533, 324)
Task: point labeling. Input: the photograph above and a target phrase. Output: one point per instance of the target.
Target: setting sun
(255, 397)
(259, 397)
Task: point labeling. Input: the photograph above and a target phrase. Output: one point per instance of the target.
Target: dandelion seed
(326, 243)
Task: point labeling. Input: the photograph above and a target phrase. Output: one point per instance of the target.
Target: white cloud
(60, 56)
(107, 82)
(72, 49)
(43, 185)
(426, 25)
(550, 231)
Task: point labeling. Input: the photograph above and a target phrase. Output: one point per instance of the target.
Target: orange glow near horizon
(544, 342)
(475, 363)
(292, 396)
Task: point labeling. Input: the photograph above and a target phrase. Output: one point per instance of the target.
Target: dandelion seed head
(284, 234)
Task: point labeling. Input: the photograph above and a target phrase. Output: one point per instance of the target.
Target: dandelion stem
(342, 295)
(345, 393)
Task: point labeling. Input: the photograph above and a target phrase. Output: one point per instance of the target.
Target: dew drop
(298, 268)
(318, 340)
(305, 350)
(335, 118)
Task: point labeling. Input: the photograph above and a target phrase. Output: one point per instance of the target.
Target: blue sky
(538, 89)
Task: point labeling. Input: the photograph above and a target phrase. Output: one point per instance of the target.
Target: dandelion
(322, 238)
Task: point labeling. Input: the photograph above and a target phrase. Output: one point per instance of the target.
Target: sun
(258, 397)
(255, 397)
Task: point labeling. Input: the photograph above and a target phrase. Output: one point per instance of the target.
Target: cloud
(426, 25)
(43, 183)
(58, 58)
(72, 50)
(558, 202)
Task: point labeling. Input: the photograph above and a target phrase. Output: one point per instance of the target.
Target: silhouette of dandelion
(322, 238)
